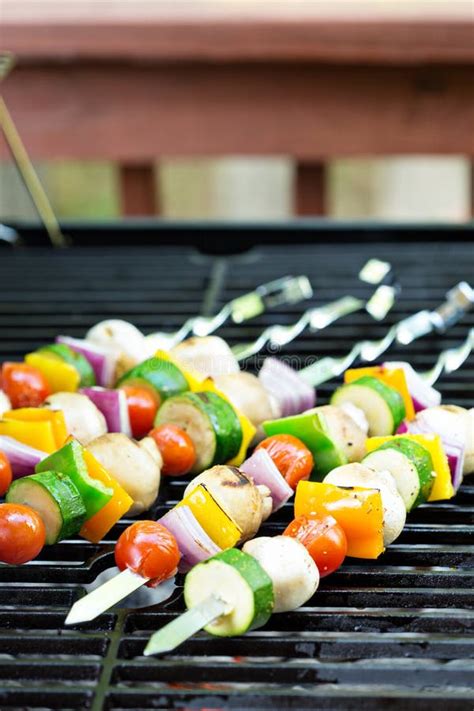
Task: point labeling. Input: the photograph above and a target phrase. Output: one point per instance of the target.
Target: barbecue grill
(392, 633)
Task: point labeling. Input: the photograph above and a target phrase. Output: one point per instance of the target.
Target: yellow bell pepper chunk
(198, 384)
(41, 414)
(61, 376)
(358, 511)
(217, 524)
(394, 378)
(442, 485)
(100, 524)
(37, 427)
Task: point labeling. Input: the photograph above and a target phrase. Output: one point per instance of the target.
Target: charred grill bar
(392, 633)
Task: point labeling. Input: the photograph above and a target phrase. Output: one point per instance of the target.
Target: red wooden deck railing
(314, 81)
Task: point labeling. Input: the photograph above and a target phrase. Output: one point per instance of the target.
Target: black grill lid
(394, 633)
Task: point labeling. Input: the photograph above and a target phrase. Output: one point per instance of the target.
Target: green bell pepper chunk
(69, 460)
(311, 428)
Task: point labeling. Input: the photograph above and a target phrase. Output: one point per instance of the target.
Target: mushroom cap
(237, 495)
(293, 572)
(132, 465)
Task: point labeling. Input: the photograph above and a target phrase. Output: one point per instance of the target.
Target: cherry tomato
(142, 408)
(149, 549)
(291, 457)
(176, 447)
(22, 534)
(25, 386)
(5, 474)
(324, 540)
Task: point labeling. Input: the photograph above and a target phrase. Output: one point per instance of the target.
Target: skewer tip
(75, 617)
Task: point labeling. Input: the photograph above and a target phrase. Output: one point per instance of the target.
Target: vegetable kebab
(417, 449)
(278, 390)
(368, 500)
(358, 510)
(221, 508)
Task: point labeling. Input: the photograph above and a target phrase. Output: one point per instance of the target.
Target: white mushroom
(247, 394)
(394, 511)
(246, 504)
(84, 420)
(124, 339)
(210, 356)
(344, 431)
(293, 572)
(135, 465)
(5, 403)
(150, 446)
(357, 415)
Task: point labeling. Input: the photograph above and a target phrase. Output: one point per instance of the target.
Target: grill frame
(391, 634)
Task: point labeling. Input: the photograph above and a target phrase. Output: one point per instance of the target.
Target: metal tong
(286, 290)
(319, 317)
(459, 300)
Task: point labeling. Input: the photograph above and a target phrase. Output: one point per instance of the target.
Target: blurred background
(242, 109)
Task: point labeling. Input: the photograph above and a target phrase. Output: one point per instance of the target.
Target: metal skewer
(450, 359)
(458, 301)
(286, 290)
(319, 317)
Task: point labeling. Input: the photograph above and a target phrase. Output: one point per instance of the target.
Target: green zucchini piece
(311, 428)
(241, 582)
(163, 378)
(210, 421)
(422, 460)
(383, 406)
(56, 499)
(69, 460)
(77, 360)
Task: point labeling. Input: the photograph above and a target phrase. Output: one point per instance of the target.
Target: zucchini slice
(383, 406)
(210, 421)
(57, 500)
(241, 582)
(163, 378)
(401, 468)
(77, 360)
(422, 460)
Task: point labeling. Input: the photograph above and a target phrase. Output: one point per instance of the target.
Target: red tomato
(22, 534)
(142, 408)
(291, 457)
(149, 549)
(176, 447)
(5, 474)
(25, 386)
(324, 540)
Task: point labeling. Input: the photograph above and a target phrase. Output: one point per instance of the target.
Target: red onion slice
(403, 428)
(455, 454)
(293, 394)
(102, 359)
(23, 459)
(261, 467)
(281, 391)
(453, 447)
(113, 406)
(422, 394)
(193, 542)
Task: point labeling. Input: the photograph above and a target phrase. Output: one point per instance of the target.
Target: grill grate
(392, 633)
